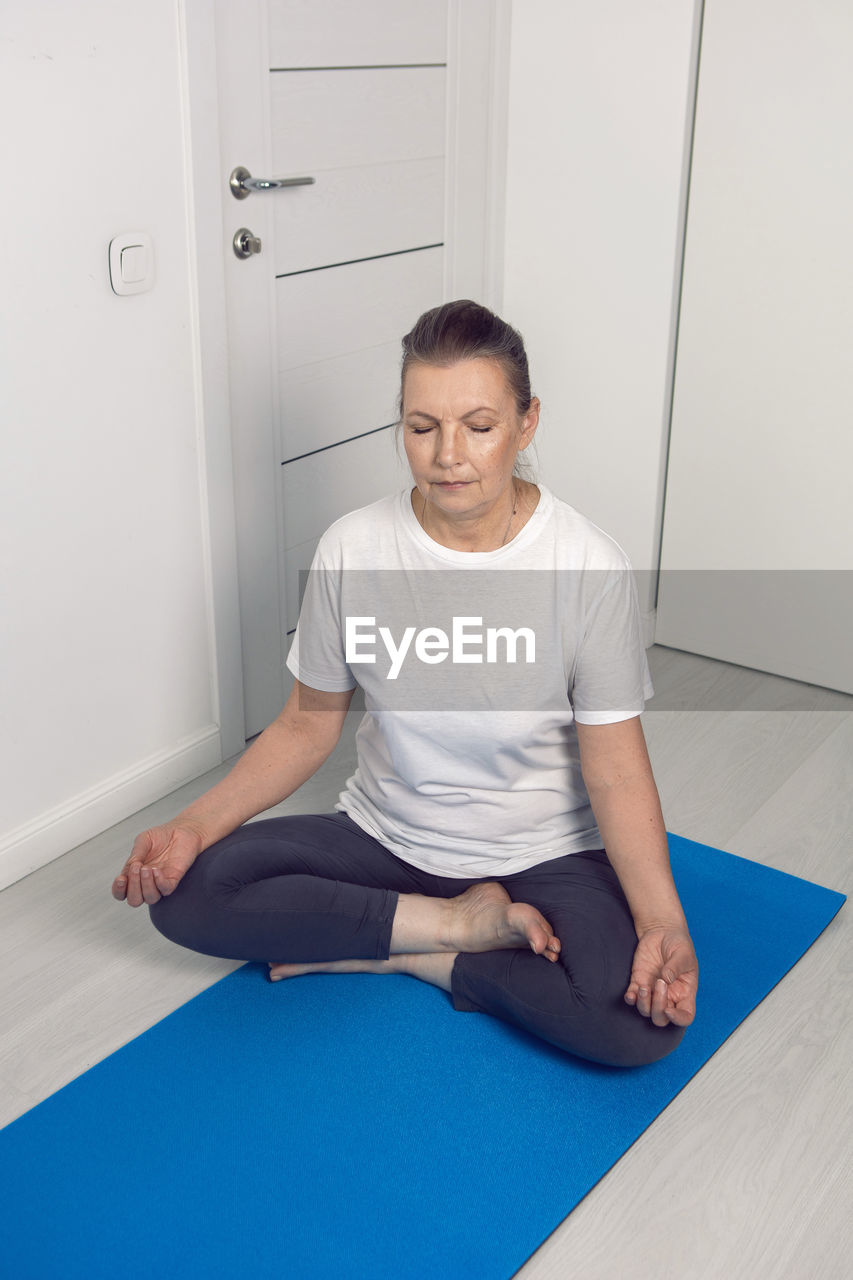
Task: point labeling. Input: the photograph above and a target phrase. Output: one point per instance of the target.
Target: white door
(365, 100)
(757, 561)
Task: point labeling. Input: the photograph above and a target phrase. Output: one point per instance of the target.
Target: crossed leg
(317, 894)
(428, 934)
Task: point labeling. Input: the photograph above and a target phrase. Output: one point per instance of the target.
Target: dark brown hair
(463, 330)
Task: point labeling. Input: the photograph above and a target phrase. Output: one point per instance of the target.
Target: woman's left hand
(664, 977)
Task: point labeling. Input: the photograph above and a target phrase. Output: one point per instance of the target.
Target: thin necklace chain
(512, 515)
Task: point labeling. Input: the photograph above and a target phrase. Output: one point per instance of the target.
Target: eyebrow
(483, 408)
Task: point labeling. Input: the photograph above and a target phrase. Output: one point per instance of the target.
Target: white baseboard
(53, 833)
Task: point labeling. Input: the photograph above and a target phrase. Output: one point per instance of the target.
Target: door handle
(242, 183)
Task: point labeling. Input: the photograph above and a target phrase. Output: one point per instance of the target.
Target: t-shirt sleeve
(317, 656)
(610, 679)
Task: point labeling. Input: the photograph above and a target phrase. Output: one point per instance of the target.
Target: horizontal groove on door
(365, 66)
(372, 257)
(361, 436)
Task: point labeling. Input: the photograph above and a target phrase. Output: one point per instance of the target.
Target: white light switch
(132, 262)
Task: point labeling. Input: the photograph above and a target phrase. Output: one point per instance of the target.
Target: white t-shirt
(475, 666)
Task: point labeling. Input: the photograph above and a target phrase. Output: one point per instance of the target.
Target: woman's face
(462, 433)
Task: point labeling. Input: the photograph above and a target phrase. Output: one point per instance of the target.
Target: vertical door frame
(477, 109)
(478, 46)
(677, 287)
(197, 24)
(241, 42)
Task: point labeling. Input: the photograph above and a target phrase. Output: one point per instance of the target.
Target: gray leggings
(317, 887)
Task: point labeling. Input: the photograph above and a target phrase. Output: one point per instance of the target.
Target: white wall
(107, 654)
(600, 99)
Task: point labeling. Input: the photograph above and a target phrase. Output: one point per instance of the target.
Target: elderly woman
(502, 836)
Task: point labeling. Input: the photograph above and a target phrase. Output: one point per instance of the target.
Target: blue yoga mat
(356, 1126)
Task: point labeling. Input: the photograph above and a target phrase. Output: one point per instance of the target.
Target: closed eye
(421, 429)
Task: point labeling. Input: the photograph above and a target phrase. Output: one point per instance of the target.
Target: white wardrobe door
(757, 560)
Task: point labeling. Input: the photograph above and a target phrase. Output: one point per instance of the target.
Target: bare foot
(486, 919)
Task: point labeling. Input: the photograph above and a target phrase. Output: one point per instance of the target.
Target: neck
(483, 531)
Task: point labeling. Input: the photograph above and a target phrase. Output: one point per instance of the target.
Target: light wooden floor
(745, 1175)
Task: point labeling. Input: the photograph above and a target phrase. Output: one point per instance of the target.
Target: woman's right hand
(159, 859)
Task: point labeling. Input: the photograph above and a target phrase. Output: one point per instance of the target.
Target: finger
(682, 1012)
(138, 880)
(150, 892)
(133, 893)
(119, 888)
(680, 1017)
(141, 847)
(630, 996)
(659, 1002)
(644, 1001)
(165, 883)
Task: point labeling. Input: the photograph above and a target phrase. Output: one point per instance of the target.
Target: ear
(529, 423)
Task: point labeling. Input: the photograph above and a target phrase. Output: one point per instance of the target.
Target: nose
(448, 446)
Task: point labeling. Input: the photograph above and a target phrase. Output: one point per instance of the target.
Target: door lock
(245, 243)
